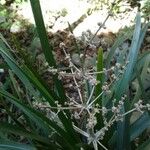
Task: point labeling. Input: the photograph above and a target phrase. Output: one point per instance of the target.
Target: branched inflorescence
(84, 106)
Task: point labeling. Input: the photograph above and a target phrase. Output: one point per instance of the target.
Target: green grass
(57, 127)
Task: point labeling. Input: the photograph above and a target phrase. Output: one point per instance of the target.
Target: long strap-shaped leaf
(123, 83)
(139, 126)
(10, 145)
(134, 132)
(98, 89)
(46, 46)
(145, 145)
(117, 43)
(49, 95)
(99, 77)
(42, 121)
(21, 76)
(24, 75)
(132, 57)
(9, 128)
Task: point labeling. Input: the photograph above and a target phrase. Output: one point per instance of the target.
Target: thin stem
(99, 72)
(73, 100)
(91, 94)
(102, 25)
(75, 81)
(60, 108)
(99, 28)
(81, 131)
(95, 99)
(95, 145)
(130, 111)
(79, 92)
(102, 145)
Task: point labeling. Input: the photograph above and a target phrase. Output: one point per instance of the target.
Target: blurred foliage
(134, 3)
(146, 9)
(100, 4)
(63, 12)
(9, 2)
(142, 5)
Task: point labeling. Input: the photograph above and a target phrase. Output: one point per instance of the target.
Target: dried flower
(118, 65)
(91, 122)
(148, 106)
(139, 106)
(76, 115)
(104, 111)
(62, 45)
(115, 109)
(99, 24)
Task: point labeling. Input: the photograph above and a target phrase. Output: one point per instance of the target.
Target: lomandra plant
(97, 117)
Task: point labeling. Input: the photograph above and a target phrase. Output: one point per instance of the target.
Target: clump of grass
(98, 117)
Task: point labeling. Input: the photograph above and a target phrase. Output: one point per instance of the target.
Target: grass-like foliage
(99, 117)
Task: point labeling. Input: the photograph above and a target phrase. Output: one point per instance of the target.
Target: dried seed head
(62, 45)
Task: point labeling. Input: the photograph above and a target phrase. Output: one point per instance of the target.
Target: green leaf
(46, 46)
(142, 64)
(132, 58)
(117, 43)
(12, 64)
(141, 80)
(9, 128)
(141, 77)
(139, 126)
(9, 112)
(42, 121)
(35, 116)
(141, 59)
(47, 49)
(145, 145)
(66, 122)
(4, 66)
(26, 74)
(15, 84)
(124, 82)
(99, 77)
(9, 145)
(98, 89)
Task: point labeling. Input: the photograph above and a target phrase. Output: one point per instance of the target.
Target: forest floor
(57, 15)
(17, 26)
